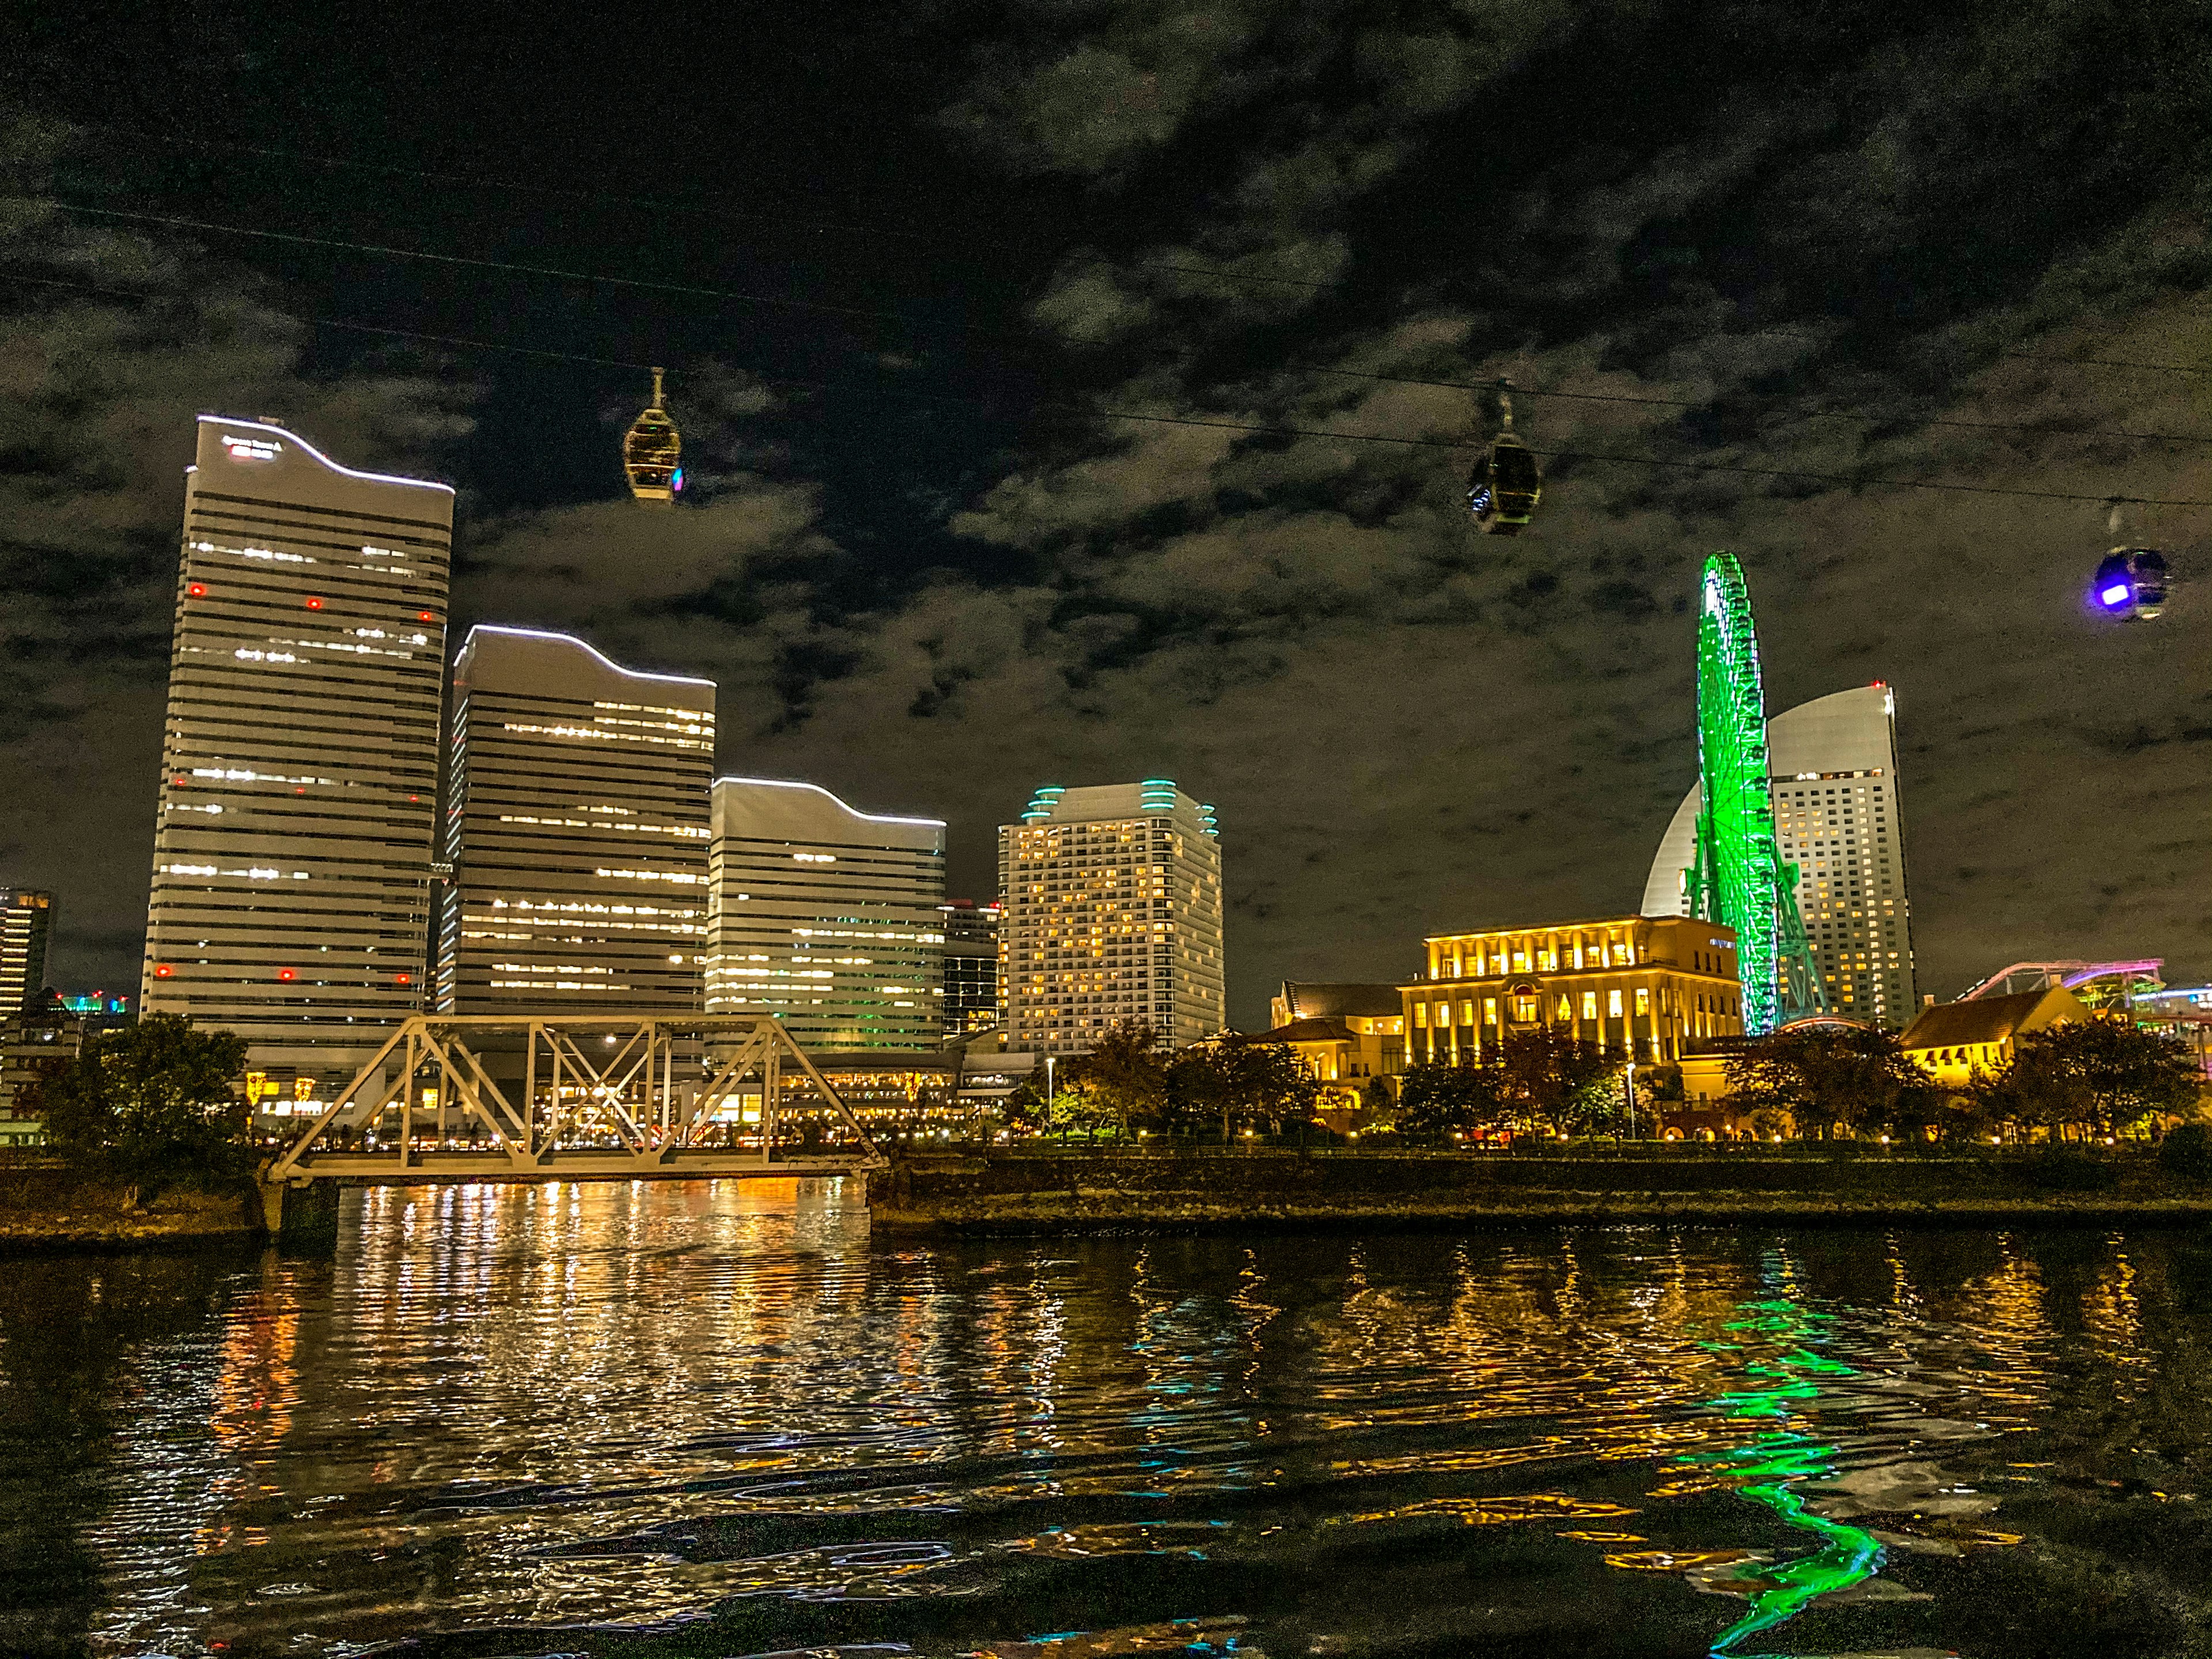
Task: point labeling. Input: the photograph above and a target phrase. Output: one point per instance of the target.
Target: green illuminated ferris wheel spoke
(1738, 878)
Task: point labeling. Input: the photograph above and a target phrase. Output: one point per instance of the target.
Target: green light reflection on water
(1771, 1466)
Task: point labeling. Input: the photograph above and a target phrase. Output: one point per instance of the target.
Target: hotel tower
(291, 888)
(1838, 818)
(575, 830)
(1112, 915)
(826, 917)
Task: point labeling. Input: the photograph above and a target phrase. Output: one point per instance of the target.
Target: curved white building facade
(576, 831)
(291, 888)
(1837, 818)
(826, 917)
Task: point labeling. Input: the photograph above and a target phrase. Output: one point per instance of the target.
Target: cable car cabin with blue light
(2129, 583)
(1503, 490)
(651, 451)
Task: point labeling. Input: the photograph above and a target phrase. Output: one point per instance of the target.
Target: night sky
(912, 269)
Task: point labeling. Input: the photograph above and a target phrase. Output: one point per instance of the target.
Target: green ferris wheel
(1737, 877)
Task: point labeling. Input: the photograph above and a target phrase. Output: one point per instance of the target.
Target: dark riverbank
(1094, 1192)
(45, 1205)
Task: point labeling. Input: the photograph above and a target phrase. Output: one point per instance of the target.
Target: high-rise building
(576, 829)
(291, 891)
(826, 917)
(973, 1001)
(1838, 818)
(1112, 900)
(26, 920)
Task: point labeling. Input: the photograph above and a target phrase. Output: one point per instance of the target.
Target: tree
(1826, 1077)
(1123, 1074)
(1549, 1077)
(156, 1104)
(1434, 1100)
(1233, 1077)
(2098, 1075)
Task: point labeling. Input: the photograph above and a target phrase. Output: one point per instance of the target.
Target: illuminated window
(1467, 1013)
(1490, 1010)
(1590, 1005)
(1524, 1009)
(1443, 1013)
(1421, 1015)
(1565, 1011)
(1612, 1004)
(1642, 1000)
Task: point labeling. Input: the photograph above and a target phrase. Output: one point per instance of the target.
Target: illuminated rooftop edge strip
(570, 639)
(290, 436)
(793, 783)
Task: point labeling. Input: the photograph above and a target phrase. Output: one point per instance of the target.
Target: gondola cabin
(653, 452)
(1503, 490)
(2129, 583)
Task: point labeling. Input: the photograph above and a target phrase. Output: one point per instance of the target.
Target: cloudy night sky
(916, 273)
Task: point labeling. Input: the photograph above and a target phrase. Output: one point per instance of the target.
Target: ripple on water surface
(714, 1418)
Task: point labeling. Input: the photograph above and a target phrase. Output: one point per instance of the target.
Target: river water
(718, 1419)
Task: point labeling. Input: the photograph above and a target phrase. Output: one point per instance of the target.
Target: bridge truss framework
(642, 1105)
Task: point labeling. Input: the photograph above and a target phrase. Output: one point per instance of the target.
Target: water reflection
(567, 1417)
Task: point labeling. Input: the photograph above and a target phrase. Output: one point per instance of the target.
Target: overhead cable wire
(966, 328)
(1520, 390)
(662, 204)
(657, 204)
(1099, 412)
(380, 249)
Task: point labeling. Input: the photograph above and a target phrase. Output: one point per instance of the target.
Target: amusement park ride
(1737, 877)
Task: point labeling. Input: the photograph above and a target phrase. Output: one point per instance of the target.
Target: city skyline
(1073, 506)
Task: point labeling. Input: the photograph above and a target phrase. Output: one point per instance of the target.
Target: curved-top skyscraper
(291, 889)
(1833, 782)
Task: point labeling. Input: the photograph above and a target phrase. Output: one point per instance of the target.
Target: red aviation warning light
(286, 974)
(197, 590)
(314, 602)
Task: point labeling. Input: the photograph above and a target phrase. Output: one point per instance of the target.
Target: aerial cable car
(2131, 581)
(1503, 490)
(653, 451)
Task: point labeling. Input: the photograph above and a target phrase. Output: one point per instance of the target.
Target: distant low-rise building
(33, 1047)
(1345, 1033)
(1952, 1040)
(1640, 987)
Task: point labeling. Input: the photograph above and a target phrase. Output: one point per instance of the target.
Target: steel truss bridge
(491, 1098)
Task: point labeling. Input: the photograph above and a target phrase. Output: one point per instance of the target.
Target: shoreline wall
(1104, 1192)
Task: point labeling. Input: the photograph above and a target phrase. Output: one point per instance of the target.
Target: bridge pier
(299, 1214)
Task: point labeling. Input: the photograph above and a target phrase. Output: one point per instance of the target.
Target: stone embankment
(1197, 1192)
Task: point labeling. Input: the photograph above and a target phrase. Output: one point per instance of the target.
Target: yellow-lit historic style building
(1641, 987)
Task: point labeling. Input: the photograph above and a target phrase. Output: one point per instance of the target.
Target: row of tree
(1129, 1083)
(1537, 1082)
(2083, 1080)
